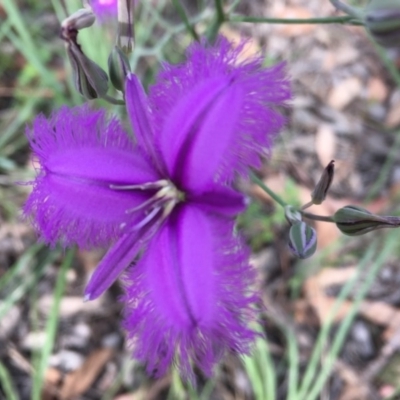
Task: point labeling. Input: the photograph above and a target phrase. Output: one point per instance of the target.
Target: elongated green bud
(302, 240)
(90, 79)
(382, 19)
(321, 189)
(118, 68)
(354, 221)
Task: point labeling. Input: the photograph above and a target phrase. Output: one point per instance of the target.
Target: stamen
(147, 219)
(158, 197)
(143, 186)
(169, 207)
(143, 205)
(160, 203)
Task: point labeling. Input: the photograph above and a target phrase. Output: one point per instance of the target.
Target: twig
(327, 20)
(387, 351)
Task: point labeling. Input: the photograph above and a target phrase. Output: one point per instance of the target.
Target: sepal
(90, 80)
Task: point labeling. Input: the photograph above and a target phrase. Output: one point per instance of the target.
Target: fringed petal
(188, 299)
(184, 121)
(81, 157)
(205, 151)
(264, 90)
(139, 113)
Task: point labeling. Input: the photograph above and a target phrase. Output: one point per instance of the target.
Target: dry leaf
(377, 90)
(377, 312)
(345, 54)
(70, 305)
(315, 292)
(251, 48)
(81, 380)
(52, 376)
(393, 116)
(325, 144)
(344, 93)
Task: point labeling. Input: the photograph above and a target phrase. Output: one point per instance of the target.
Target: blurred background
(331, 323)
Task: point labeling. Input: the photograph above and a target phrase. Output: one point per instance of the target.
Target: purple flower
(165, 199)
(104, 8)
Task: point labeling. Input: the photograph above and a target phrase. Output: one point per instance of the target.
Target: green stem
(354, 12)
(220, 11)
(266, 189)
(113, 100)
(384, 170)
(220, 18)
(185, 19)
(309, 204)
(328, 20)
(316, 217)
(389, 64)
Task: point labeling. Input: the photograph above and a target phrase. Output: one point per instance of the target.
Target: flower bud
(382, 19)
(354, 221)
(80, 19)
(118, 68)
(321, 189)
(302, 240)
(292, 215)
(90, 80)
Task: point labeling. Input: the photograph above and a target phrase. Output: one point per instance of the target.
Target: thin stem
(266, 189)
(309, 204)
(113, 100)
(316, 217)
(185, 19)
(328, 20)
(389, 64)
(349, 10)
(220, 18)
(384, 170)
(220, 10)
(395, 221)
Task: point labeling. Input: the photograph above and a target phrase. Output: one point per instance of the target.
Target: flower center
(159, 205)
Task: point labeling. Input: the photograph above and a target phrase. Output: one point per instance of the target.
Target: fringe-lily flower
(165, 199)
(104, 8)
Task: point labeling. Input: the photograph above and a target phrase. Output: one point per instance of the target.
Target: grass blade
(261, 371)
(26, 284)
(6, 384)
(346, 324)
(51, 327)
